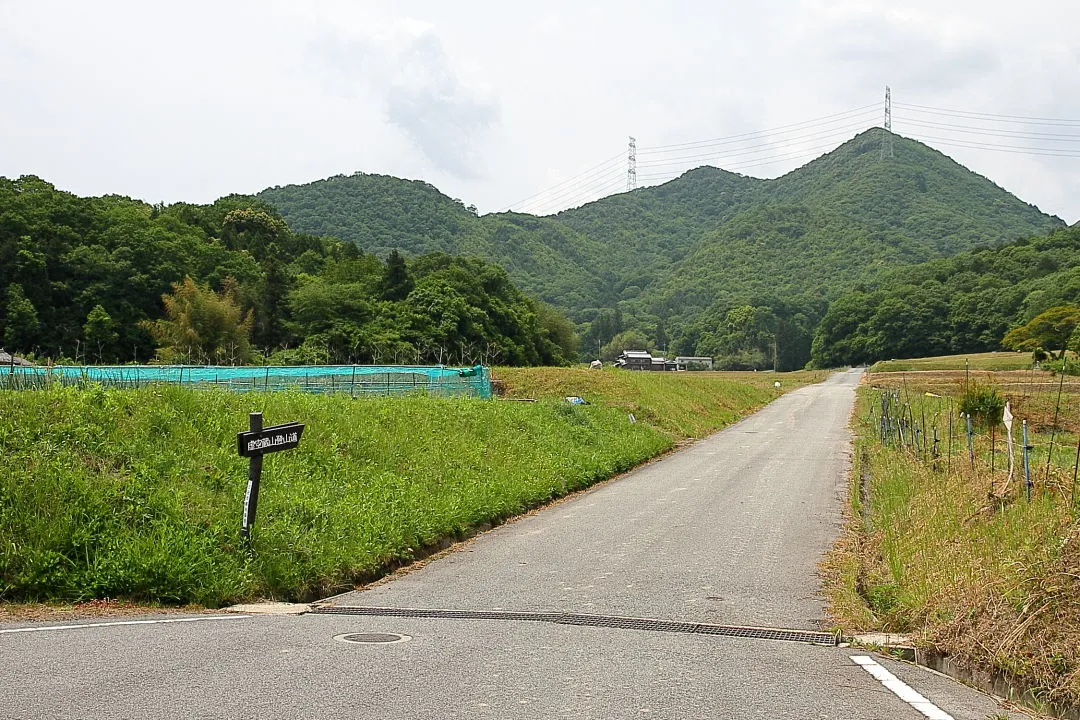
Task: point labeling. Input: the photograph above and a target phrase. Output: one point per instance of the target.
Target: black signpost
(255, 443)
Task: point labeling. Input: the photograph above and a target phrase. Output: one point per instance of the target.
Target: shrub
(982, 402)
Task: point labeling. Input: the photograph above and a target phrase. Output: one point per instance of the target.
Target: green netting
(352, 379)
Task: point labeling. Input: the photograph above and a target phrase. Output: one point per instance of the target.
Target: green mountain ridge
(674, 261)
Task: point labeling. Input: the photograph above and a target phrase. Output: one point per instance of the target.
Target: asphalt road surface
(727, 532)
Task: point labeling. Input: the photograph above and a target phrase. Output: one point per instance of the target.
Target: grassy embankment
(995, 361)
(951, 551)
(137, 493)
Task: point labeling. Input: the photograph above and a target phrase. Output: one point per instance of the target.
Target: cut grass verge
(137, 494)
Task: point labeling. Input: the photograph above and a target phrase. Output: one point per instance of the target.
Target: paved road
(728, 531)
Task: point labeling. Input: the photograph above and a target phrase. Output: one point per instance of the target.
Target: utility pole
(631, 165)
(886, 133)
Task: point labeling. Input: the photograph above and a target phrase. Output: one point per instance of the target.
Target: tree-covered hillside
(919, 200)
(547, 259)
(843, 219)
(961, 304)
(711, 263)
(114, 279)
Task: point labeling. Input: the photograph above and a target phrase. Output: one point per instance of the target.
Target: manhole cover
(373, 638)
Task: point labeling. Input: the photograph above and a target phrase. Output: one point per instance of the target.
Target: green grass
(137, 494)
(686, 404)
(975, 361)
(957, 556)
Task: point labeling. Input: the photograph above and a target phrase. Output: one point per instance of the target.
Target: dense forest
(966, 303)
(112, 279)
(712, 263)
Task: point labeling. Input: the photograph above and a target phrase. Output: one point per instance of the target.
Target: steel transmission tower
(886, 133)
(631, 165)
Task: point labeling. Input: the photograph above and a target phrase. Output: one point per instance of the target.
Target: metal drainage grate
(605, 621)
(373, 638)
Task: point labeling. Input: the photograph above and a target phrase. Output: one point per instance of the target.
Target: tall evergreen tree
(269, 328)
(396, 283)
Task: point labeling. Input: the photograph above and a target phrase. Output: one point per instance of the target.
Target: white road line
(48, 628)
(900, 688)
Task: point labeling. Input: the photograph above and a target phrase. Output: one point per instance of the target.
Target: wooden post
(251, 497)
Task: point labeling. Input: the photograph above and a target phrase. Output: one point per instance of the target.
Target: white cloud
(490, 101)
(420, 88)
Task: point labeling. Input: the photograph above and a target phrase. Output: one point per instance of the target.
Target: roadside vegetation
(137, 494)
(944, 545)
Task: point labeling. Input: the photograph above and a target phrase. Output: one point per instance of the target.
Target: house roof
(639, 354)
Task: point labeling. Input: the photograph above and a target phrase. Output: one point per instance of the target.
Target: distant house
(641, 360)
(9, 360)
(634, 360)
(693, 363)
(660, 364)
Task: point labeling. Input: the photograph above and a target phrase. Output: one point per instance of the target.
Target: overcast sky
(503, 106)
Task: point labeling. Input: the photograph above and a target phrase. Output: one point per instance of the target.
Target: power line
(834, 132)
(1016, 149)
(1018, 119)
(599, 176)
(996, 132)
(735, 138)
(964, 129)
(811, 152)
(575, 190)
(583, 173)
(582, 197)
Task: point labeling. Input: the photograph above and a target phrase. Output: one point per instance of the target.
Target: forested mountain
(114, 279)
(965, 303)
(711, 263)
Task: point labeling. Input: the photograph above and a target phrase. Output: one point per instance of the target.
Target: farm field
(992, 361)
(136, 494)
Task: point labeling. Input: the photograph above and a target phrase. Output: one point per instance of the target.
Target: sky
(526, 106)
